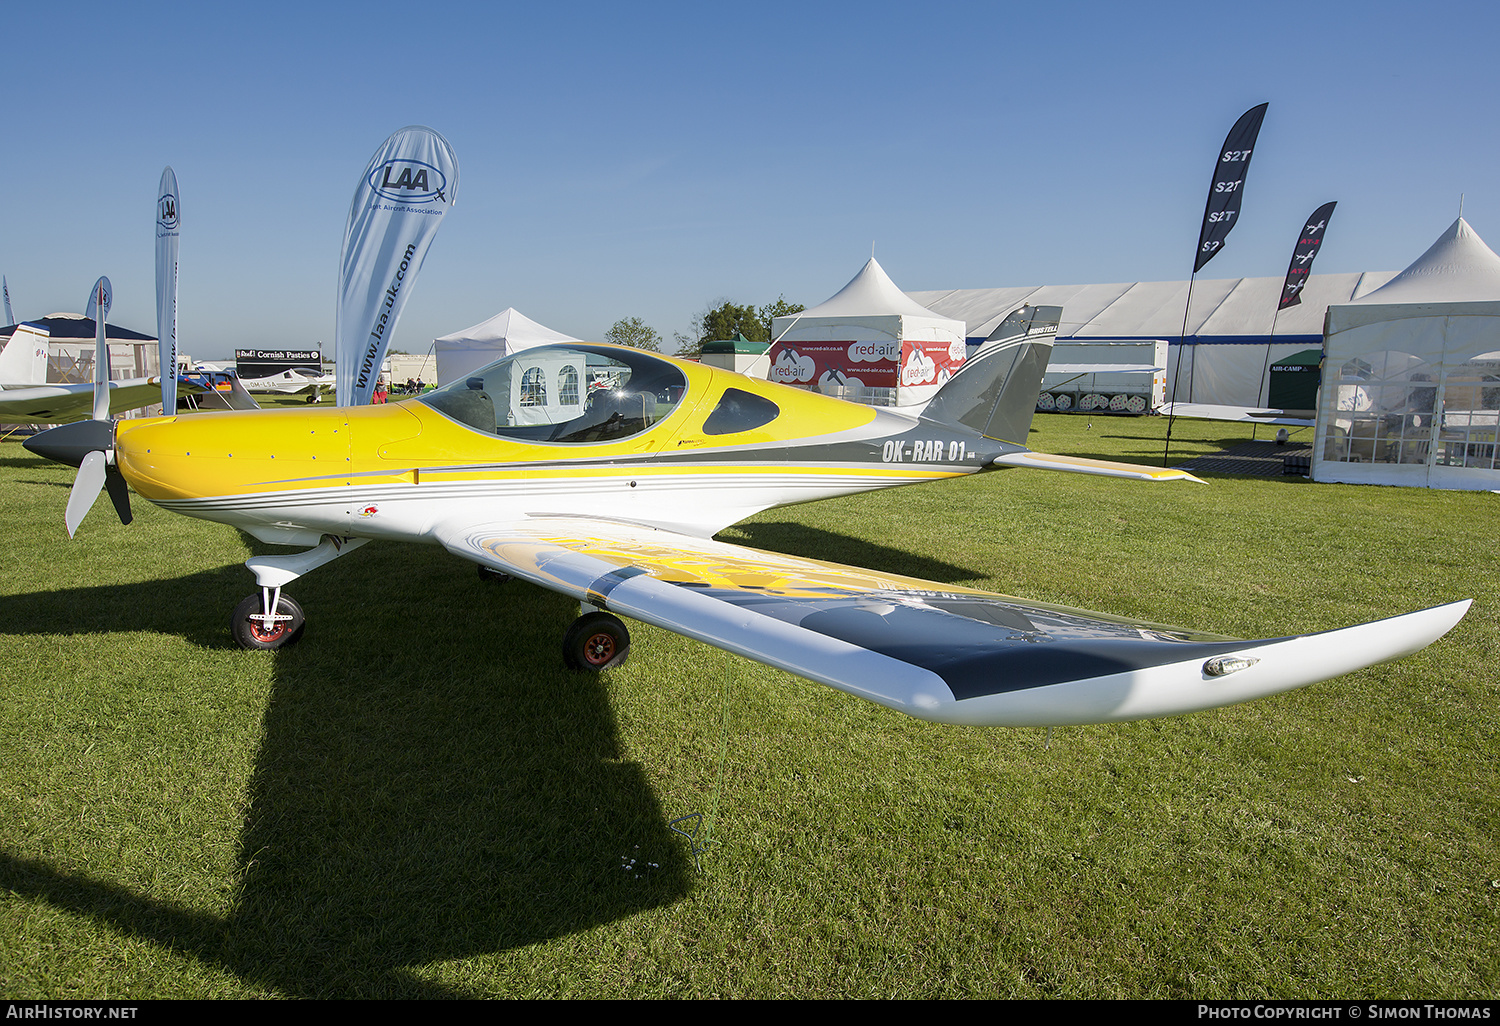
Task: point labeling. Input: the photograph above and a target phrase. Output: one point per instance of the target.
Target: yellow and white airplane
(603, 473)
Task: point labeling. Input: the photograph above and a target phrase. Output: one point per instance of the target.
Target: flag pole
(1220, 213)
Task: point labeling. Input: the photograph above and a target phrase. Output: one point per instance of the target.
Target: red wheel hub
(599, 648)
(264, 635)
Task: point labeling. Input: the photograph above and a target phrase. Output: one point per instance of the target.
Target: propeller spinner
(89, 445)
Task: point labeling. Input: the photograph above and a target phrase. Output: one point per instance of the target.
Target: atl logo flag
(409, 185)
(166, 288)
(1223, 209)
(1308, 244)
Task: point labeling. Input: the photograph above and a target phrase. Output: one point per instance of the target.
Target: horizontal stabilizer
(1102, 468)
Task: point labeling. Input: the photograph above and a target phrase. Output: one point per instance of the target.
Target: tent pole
(1265, 369)
(1176, 373)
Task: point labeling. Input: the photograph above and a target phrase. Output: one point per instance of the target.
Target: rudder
(23, 362)
(995, 392)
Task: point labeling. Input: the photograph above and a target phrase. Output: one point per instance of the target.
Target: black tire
(249, 634)
(490, 576)
(595, 642)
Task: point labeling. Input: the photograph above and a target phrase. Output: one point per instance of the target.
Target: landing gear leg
(272, 620)
(596, 641)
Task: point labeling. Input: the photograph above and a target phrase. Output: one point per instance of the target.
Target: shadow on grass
(431, 784)
(812, 543)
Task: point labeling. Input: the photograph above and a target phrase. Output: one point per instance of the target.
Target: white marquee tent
(1227, 356)
(509, 331)
(869, 342)
(1411, 375)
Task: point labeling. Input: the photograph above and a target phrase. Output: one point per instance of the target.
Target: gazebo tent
(1411, 375)
(738, 354)
(509, 331)
(1229, 342)
(67, 339)
(870, 342)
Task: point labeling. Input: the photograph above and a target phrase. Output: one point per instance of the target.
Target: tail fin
(215, 390)
(995, 392)
(24, 360)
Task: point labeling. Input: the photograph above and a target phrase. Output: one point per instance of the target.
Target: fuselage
(723, 448)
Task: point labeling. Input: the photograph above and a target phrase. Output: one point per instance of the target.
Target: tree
(780, 308)
(729, 320)
(632, 331)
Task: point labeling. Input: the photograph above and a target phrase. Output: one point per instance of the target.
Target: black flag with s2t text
(1308, 244)
(1223, 209)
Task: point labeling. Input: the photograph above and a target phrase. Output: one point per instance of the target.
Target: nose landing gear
(254, 628)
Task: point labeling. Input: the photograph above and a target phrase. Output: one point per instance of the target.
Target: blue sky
(646, 159)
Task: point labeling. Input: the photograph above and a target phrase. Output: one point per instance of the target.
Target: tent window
(1384, 410)
(534, 388)
(567, 387)
(1471, 415)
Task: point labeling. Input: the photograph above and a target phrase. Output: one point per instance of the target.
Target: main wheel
(253, 634)
(596, 641)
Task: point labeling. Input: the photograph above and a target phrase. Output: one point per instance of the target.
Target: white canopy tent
(1411, 375)
(1229, 342)
(509, 331)
(869, 342)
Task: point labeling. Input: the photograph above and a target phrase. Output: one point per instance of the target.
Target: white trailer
(1108, 376)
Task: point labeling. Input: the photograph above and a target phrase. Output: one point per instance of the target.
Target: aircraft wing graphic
(933, 651)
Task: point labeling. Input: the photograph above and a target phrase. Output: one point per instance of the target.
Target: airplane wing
(58, 404)
(1237, 414)
(933, 651)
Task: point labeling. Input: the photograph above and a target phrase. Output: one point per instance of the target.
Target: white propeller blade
(86, 488)
(99, 303)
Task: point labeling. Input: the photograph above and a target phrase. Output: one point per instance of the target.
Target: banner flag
(167, 213)
(100, 298)
(407, 188)
(10, 318)
(1308, 244)
(1223, 208)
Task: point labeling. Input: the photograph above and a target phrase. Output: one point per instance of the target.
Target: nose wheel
(596, 641)
(254, 629)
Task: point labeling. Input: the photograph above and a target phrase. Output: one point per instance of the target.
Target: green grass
(419, 801)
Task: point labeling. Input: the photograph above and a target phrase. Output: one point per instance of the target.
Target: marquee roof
(1227, 308)
(1457, 268)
